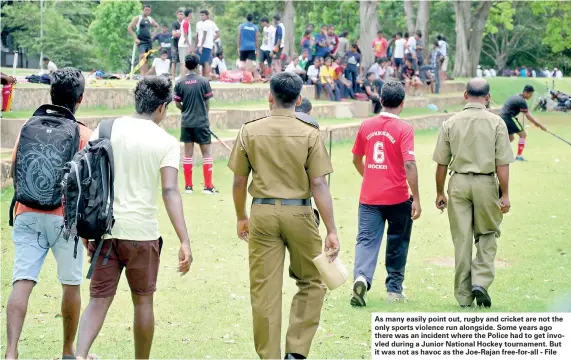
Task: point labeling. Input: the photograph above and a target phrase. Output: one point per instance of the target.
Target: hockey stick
(220, 141)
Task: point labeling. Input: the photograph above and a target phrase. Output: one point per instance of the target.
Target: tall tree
(422, 18)
(558, 31)
(409, 12)
(288, 20)
(369, 25)
(470, 26)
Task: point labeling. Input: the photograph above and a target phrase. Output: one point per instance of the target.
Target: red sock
(520, 146)
(187, 166)
(207, 171)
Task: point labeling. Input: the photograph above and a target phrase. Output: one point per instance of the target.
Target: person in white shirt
(268, 39)
(293, 67)
(443, 47)
(161, 65)
(479, 72)
(377, 69)
(493, 72)
(210, 33)
(487, 73)
(557, 73)
(410, 49)
(313, 76)
(50, 66)
(278, 45)
(218, 65)
(398, 54)
(185, 40)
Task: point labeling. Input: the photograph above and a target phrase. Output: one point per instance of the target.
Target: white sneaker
(210, 191)
(359, 292)
(188, 190)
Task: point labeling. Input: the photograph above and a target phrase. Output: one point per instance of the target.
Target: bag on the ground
(47, 142)
(87, 192)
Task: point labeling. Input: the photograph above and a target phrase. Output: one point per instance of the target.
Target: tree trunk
(469, 30)
(369, 25)
(409, 12)
(288, 19)
(422, 24)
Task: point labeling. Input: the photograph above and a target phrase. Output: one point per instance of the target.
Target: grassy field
(206, 314)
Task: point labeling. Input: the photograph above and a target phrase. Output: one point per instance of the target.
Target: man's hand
(137, 41)
(541, 126)
(505, 204)
(243, 229)
(441, 202)
(184, 258)
(416, 210)
(331, 248)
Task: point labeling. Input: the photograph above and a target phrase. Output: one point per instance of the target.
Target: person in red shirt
(387, 144)
(380, 46)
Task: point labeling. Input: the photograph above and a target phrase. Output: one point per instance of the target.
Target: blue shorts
(206, 56)
(33, 235)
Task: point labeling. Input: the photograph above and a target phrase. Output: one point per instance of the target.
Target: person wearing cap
(511, 109)
(474, 146)
(288, 161)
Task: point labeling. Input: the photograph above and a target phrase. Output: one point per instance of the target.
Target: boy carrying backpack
(46, 143)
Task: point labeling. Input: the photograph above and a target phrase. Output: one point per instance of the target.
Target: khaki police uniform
(283, 151)
(472, 143)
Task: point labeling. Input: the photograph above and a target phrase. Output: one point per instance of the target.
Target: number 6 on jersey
(379, 152)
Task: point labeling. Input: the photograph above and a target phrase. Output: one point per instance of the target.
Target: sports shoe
(188, 190)
(481, 295)
(359, 291)
(210, 191)
(395, 297)
(519, 158)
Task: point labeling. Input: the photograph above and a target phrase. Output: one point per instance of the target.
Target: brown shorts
(141, 260)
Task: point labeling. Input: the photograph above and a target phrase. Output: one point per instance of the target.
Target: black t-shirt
(164, 41)
(193, 91)
(407, 72)
(175, 26)
(370, 85)
(145, 30)
(513, 106)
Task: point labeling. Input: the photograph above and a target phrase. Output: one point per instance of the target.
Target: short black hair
(205, 12)
(165, 25)
(164, 52)
(67, 87)
(384, 59)
(323, 26)
(307, 32)
(478, 88)
(435, 43)
(310, 24)
(439, 37)
(277, 17)
(45, 58)
(286, 88)
(328, 57)
(528, 88)
(146, 6)
(187, 12)
(399, 34)
(419, 33)
(369, 74)
(220, 53)
(406, 34)
(191, 61)
(180, 10)
(305, 106)
(392, 94)
(151, 92)
(379, 32)
(249, 17)
(265, 19)
(344, 33)
(379, 60)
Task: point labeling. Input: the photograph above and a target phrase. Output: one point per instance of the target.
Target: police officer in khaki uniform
(475, 146)
(288, 161)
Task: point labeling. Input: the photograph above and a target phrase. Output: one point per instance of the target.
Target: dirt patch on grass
(449, 262)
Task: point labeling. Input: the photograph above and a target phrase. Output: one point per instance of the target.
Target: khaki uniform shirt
(473, 141)
(283, 154)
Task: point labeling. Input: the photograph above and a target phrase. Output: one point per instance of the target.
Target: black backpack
(87, 193)
(47, 141)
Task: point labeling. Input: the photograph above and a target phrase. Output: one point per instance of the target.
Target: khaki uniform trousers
(273, 228)
(475, 216)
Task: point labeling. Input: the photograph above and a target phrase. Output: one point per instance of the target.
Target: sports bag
(47, 141)
(87, 192)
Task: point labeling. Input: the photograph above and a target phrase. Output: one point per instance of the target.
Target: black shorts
(278, 55)
(248, 55)
(199, 135)
(265, 56)
(144, 47)
(513, 125)
(174, 55)
(399, 62)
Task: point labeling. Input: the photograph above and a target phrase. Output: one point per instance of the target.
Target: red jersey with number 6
(386, 142)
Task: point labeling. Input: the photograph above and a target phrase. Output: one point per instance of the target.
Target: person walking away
(509, 112)
(281, 217)
(248, 43)
(164, 38)
(161, 65)
(176, 32)
(369, 89)
(473, 145)
(313, 77)
(143, 35)
(36, 230)
(185, 41)
(268, 34)
(419, 48)
(344, 45)
(333, 41)
(278, 44)
(142, 159)
(398, 54)
(380, 45)
(210, 33)
(389, 170)
(353, 62)
(443, 47)
(326, 73)
(191, 95)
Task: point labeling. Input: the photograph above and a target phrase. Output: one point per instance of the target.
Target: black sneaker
(188, 190)
(359, 291)
(482, 297)
(210, 191)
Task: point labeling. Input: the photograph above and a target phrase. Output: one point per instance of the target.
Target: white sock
(361, 278)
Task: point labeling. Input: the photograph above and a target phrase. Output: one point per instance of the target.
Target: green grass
(207, 312)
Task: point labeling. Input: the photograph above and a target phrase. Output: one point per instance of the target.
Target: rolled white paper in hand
(334, 274)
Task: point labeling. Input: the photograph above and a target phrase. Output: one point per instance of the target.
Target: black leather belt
(284, 202)
(471, 173)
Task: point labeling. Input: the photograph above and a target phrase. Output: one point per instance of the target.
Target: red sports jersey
(386, 142)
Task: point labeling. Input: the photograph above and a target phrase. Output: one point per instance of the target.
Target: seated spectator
(294, 67)
(345, 86)
(326, 75)
(161, 65)
(305, 106)
(51, 67)
(410, 77)
(373, 95)
(376, 68)
(218, 65)
(313, 76)
(304, 60)
(427, 78)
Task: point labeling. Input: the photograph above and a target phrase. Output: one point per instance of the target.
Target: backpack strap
(12, 206)
(43, 111)
(105, 128)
